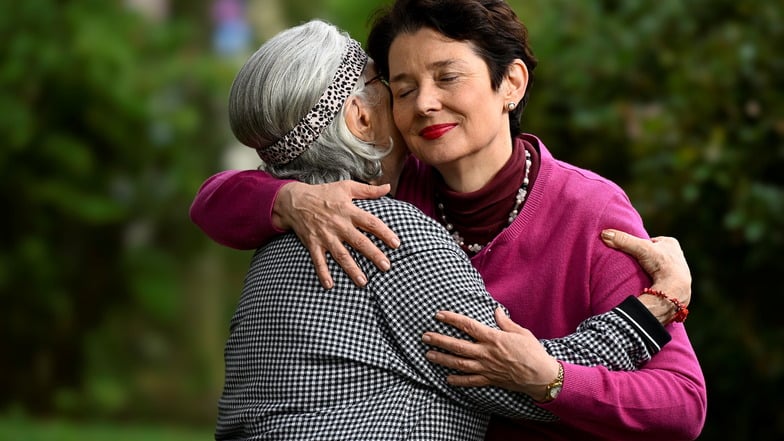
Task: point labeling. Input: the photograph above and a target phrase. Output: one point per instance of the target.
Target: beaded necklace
(522, 192)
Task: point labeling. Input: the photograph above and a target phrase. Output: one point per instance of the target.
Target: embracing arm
(246, 209)
(441, 277)
(410, 305)
(503, 359)
(235, 208)
(622, 339)
(664, 400)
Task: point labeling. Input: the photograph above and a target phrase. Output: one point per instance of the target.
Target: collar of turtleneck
(480, 215)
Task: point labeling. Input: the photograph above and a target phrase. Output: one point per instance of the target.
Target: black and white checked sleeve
(623, 339)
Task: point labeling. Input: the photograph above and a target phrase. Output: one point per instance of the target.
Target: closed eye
(405, 92)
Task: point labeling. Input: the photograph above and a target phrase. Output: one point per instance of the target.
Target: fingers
(505, 322)
(640, 249)
(358, 190)
(453, 362)
(322, 271)
(373, 225)
(473, 328)
(632, 245)
(354, 220)
(326, 220)
(366, 221)
(670, 248)
(462, 353)
(361, 243)
(318, 246)
(344, 259)
(470, 367)
(453, 345)
(674, 279)
(661, 257)
(348, 234)
(474, 380)
(358, 241)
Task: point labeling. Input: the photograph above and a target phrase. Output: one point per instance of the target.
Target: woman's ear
(358, 119)
(516, 81)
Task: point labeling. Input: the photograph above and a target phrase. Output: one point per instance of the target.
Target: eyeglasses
(378, 77)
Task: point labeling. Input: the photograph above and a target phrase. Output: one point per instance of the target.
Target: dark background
(116, 308)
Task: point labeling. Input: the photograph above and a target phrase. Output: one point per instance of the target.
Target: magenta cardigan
(551, 270)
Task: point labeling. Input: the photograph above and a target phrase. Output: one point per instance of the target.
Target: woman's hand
(324, 218)
(511, 358)
(662, 258)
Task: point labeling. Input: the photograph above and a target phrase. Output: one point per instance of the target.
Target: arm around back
(246, 209)
(234, 208)
(430, 273)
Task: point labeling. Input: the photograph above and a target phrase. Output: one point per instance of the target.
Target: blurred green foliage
(30, 430)
(110, 124)
(117, 307)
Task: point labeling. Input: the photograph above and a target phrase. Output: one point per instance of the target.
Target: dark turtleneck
(480, 215)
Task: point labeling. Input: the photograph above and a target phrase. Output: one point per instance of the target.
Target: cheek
(398, 118)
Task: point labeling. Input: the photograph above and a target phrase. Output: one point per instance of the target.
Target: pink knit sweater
(551, 270)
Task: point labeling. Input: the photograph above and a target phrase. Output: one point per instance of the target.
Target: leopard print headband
(309, 128)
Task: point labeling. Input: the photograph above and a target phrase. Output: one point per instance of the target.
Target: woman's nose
(427, 99)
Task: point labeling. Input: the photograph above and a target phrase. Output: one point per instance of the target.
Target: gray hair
(277, 87)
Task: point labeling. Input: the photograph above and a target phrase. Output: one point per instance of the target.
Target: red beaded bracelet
(681, 311)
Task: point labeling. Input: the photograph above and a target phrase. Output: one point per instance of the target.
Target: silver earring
(511, 106)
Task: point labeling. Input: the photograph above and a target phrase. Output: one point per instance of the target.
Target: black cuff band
(653, 332)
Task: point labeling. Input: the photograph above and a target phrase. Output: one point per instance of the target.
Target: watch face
(554, 391)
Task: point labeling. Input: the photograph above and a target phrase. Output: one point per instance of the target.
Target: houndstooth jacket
(348, 364)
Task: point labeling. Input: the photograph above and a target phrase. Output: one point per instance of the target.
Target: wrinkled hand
(662, 258)
(324, 218)
(511, 358)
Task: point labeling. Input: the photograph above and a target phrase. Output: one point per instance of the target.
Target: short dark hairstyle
(490, 25)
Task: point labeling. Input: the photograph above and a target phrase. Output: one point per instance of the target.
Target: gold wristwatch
(554, 388)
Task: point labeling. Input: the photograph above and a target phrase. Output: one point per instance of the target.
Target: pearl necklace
(522, 192)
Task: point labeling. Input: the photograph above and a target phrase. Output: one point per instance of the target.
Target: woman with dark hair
(460, 72)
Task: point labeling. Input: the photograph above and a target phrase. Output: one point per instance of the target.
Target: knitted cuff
(649, 328)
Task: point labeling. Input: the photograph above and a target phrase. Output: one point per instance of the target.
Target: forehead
(428, 49)
(423, 37)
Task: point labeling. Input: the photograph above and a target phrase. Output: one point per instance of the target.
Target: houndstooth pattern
(348, 363)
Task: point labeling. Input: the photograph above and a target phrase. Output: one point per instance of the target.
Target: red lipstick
(436, 131)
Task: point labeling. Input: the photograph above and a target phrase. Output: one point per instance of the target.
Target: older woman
(301, 362)
(460, 72)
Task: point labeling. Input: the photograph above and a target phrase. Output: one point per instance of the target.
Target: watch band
(554, 388)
